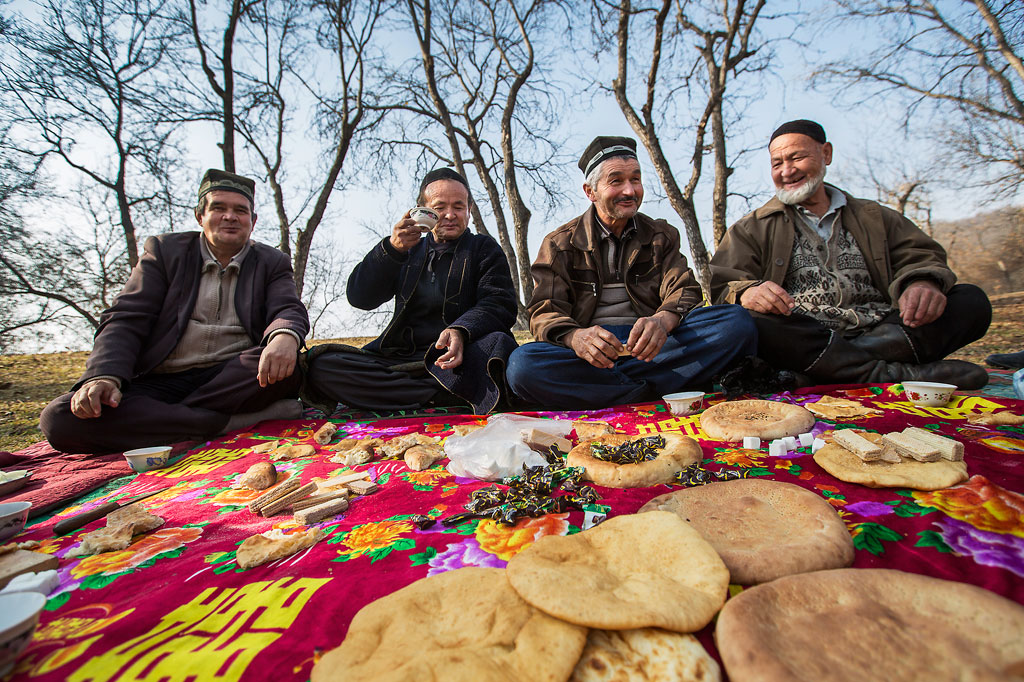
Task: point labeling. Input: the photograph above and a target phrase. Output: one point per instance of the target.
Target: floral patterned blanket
(175, 605)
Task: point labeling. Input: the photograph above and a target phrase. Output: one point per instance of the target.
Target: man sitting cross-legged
(845, 290)
(203, 339)
(616, 311)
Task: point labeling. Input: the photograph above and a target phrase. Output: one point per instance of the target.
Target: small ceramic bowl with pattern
(142, 460)
(683, 404)
(19, 616)
(425, 217)
(12, 519)
(928, 393)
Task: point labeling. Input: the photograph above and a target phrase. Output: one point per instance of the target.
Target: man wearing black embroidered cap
(203, 339)
(845, 290)
(450, 334)
(617, 314)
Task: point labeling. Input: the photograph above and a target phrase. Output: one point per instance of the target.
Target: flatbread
(869, 624)
(909, 473)
(263, 547)
(762, 529)
(649, 654)
(467, 624)
(121, 526)
(633, 571)
(835, 409)
(679, 452)
(764, 419)
(1005, 418)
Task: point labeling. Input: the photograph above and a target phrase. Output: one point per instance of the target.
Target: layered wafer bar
(857, 444)
(948, 448)
(266, 498)
(908, 446)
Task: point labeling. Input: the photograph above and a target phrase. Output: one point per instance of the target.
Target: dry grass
(29, 382)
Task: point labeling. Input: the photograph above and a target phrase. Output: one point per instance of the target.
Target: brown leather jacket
(567, 275)
(758, 247)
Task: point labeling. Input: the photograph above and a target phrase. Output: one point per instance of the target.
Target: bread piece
(293, 451)
(763, 529)
(259, 476)
(325, 433)
(264, 547)
(997, 419)
(590, 430)
(268, 446)
(679, 452)
(644, 655)
(419, 457)
(465, 625)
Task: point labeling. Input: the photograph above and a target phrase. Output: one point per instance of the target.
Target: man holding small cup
(450, 334)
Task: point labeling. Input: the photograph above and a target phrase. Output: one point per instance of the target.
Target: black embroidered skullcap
(605, 147)
(442, 174)
(804, 127)
(218, 179)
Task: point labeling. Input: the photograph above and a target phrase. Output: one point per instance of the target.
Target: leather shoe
(965, 375)
(888, 342)
(1006, 360)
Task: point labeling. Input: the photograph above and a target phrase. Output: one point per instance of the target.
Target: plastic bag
(497, 450)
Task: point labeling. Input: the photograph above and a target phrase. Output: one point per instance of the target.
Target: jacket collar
(587, 233)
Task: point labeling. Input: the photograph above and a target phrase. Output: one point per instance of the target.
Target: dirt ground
(28, 382)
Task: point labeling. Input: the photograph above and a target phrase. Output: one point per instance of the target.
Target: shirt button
(779, 261)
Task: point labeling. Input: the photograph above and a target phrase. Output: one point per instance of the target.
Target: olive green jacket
(758, 247)
(567, 275)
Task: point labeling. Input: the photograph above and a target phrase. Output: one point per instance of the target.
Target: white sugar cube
(817, 444)
(776, 448)
(43, 582)
(806, 439)
(752, 442)
(789, 443)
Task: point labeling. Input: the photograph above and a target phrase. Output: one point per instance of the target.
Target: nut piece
(259, 476)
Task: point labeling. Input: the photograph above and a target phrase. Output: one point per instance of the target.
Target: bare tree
(724, 41)
(962, 61)
(81, 80)
(478, 73)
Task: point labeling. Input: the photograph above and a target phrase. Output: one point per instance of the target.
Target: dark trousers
(796, 341)
(707, 342)
(160, 409)
(371, 381)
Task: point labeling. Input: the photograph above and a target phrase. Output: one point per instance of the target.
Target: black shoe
(888, 342)
(1006, 360)
(965, 375)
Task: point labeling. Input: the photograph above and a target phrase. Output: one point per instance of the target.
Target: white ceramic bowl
(19, 616)
(682, 404)
(928, 393)
(426, 218)
(12, 519)
(147, 459)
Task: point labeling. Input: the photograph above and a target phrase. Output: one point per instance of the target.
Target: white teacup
(683, 404)
(425, 217)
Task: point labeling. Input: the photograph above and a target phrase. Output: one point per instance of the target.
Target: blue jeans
(707, 342)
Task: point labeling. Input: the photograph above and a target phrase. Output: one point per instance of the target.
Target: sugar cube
(806, 439)
(817, 444)
(776, 448)
(789, 443)
(752, 442)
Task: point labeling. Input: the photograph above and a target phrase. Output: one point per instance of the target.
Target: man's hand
(922, 302)
(405, 234)
(277, 361)
(767, 298)
(88, 401)
(452, 340)
(648, 335)
(596, 345)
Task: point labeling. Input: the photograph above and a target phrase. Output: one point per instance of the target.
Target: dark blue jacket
(479, 300)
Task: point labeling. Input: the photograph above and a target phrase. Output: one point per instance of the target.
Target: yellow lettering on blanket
(688, 426)
(201, 462)
(959, 408)
(221, 629)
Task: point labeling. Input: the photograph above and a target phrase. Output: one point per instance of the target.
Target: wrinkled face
(227, 221)
(619, 191)
(798, 166)
(450, 199)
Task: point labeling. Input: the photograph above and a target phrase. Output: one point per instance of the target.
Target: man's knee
(971, 307)
(728, 324)
(60, 427)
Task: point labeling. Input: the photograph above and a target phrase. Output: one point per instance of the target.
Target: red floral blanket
(175, 606)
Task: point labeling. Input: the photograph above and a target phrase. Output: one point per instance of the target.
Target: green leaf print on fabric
(870, 537)
(930, 538)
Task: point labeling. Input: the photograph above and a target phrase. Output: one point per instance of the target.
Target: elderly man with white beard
(845, 290)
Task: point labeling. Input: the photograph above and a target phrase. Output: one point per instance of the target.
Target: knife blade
(75, 522)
